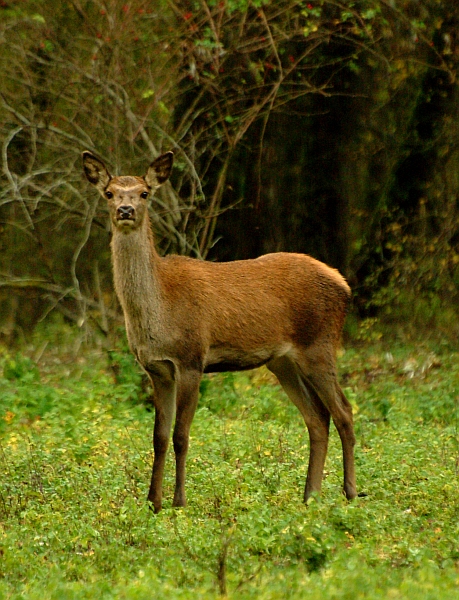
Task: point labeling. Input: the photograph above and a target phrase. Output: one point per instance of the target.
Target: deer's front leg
(163, 380)
(187, 400)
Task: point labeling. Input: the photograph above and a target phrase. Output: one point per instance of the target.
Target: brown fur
(185, 317)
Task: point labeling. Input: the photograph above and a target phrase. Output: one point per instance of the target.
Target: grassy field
(75, 459)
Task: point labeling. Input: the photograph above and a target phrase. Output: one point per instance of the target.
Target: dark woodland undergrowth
(75, 459)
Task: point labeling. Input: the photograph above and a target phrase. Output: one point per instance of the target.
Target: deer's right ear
(95, 171)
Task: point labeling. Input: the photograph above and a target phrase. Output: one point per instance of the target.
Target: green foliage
(20, 368)
(73, 479)
(131, 380)
(417, 285)
(128, 374)
(236, 5)
(22, 392)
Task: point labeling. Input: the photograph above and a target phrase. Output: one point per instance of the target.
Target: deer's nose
(125, 212)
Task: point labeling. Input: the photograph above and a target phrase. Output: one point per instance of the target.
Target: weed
(75, 461)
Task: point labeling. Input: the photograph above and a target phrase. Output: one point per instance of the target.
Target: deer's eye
(144, 195)
(109, 195)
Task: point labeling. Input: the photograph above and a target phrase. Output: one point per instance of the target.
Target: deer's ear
(95, 171)
(159, 170)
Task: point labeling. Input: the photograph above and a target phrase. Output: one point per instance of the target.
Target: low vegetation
(75, 461)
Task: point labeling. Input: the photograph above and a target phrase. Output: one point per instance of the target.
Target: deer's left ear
(159, 170)
(95, 171)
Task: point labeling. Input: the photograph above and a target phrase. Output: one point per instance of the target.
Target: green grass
(75, 460)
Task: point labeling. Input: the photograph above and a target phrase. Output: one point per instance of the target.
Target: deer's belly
(232, 359)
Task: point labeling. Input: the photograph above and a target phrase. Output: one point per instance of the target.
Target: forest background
(323, 127)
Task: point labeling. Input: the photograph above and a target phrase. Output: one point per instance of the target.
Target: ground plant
(76, 454)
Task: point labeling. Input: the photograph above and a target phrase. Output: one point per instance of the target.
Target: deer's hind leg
(318, 371)
(315, 415)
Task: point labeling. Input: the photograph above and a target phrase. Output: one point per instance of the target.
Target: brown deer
(185, 317)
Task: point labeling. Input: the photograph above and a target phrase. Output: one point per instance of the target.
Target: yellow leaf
(9, 416)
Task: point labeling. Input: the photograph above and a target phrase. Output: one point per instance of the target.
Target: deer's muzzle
(124, 213)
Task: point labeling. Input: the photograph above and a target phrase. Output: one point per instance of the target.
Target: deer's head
(127, 196)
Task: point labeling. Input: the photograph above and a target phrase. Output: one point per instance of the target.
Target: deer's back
(266, 300)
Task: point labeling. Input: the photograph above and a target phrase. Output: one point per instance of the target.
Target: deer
(185, 317)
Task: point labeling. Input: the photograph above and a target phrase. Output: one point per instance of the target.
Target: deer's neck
(137, 282)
